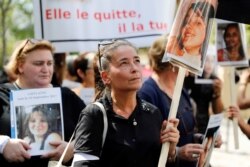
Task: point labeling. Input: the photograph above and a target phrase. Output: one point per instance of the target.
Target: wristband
(3, 141)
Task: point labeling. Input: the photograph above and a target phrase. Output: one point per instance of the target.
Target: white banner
(78, 25)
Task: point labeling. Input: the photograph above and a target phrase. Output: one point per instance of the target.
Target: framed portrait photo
(36, 117)
(208, 142)
(231, 43)
(189, 36)
(211, 67)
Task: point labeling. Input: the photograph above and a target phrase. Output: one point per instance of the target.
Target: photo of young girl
(38, 125)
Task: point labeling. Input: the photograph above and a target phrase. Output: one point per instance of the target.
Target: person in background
(135, 128)
(32, 63)
(234, 112)
(70, 78)
(243, 102)
(158, 90)
(234, 49)
(210, 92)
(6, 76)
(84, 69)
(59, 68)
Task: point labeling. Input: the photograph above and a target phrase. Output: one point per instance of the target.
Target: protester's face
(38, 124)
(125, 69)
(194, 30)
(232, 37)
(37, 69)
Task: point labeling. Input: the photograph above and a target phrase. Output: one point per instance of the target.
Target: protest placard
(36, 117)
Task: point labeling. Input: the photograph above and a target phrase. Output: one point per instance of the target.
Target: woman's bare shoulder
(54, 137)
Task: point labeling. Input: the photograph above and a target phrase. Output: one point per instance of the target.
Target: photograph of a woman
(188, 44)
(39, 126)
(208, 144)
(230, 44)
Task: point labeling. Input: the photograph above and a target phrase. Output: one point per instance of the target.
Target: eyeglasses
(32, 41)
(100, 46)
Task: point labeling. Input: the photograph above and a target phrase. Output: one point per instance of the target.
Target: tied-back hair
(105, 54)
(99, 85)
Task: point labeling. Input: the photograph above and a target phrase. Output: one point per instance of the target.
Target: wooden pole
(172, 113)
(233, 102)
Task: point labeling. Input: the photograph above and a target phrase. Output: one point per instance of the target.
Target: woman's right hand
(16, 150)
(233, 112)
(190, 152)
(170, 134)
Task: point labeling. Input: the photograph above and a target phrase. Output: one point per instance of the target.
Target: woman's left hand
(233, 112)
(170, 133)
(58, 151)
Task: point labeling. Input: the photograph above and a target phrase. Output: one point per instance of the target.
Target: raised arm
(242, 100)
(234, 112)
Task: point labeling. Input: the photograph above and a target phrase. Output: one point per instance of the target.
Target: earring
(107, 81)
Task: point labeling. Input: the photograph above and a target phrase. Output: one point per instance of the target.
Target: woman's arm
(233, 112)
(170, 134)
(242, 100)
(15, 150)
(88, 137)
(245, 128)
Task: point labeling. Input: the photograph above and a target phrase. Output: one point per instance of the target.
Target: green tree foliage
(22, 17)
(16, 23)
(5, 7)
